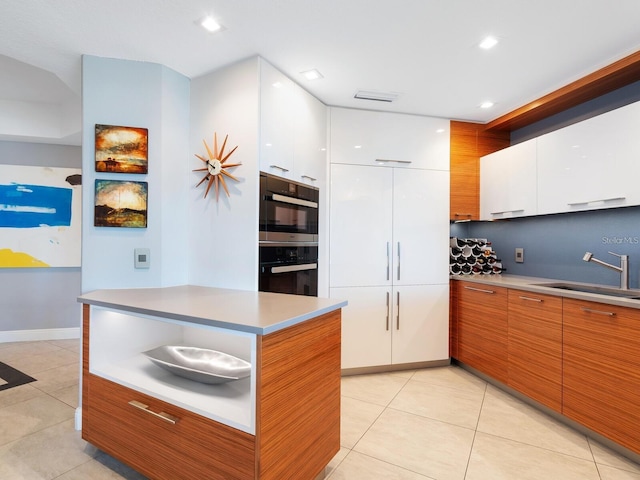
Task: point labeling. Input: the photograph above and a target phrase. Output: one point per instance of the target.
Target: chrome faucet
(623, 268)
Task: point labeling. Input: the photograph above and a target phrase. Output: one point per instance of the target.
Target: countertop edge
(533, 284)
(318, 307)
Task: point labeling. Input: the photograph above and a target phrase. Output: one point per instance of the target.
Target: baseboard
(41, 334)
(345, 372)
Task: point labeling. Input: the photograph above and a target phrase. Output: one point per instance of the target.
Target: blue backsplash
(555, 244)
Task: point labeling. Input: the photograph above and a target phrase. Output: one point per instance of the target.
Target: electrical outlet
(519, 255)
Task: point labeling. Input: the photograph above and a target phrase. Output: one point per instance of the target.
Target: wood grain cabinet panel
(601, 369)
(158, 448)
(468, 142)
(299, 415)
(482, 328)
(535, 346)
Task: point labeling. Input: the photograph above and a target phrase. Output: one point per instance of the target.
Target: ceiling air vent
(376, 96)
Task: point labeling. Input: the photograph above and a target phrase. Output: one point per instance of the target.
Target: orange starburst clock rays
(215, 166)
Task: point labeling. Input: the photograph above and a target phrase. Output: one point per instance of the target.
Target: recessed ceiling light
(486, 105)
(210, 24)
(440, 130)
(312, 74)
(488, 42)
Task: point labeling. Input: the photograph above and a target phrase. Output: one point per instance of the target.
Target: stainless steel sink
(611, 291)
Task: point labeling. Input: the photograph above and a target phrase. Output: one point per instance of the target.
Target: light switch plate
(142, 258)
(519, 255)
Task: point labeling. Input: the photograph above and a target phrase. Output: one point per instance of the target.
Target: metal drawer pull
(279, 168)
(162, 415)
(387, 260)
(385, 160)
(597, 200)
(508, 211)
(398, 317)
(387, 310)
(539, 300)
(398, 260)
(309, 177)
(598, 312)
(480, 290)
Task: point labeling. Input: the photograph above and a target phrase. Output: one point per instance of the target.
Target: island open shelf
(282, 418)
(115, 353)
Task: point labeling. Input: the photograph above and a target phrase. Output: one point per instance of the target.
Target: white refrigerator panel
(360, 226)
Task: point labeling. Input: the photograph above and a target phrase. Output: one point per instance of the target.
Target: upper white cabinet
(310, 139)
(592, 164)
(508, 182)
(376, 138)
(293, 128)
(277, 94)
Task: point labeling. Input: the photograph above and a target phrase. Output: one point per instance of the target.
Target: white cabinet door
(366, 326)
(310, 139)
(277, 93)
(360, 226)
(591, 164)
(420, 323)
(385, 326)
(508, 185)
(420, 226)
(378, 138)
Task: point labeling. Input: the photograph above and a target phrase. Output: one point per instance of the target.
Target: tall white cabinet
(389, 237)
(293, 129)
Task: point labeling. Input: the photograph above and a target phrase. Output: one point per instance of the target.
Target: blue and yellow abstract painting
(39, 216)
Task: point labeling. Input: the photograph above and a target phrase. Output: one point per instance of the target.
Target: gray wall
(39, 298)
(555, 244)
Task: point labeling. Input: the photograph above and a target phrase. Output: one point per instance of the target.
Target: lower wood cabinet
(156, 445)
(601, 376)
(535, 346)
(576, 357)
(482, 328)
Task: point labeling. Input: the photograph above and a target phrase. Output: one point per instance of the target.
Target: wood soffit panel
(607, 79)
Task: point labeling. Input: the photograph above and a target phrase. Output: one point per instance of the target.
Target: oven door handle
(294, 268)
(293, 201)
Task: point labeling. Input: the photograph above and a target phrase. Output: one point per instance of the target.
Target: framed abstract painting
(121, 149)
(40, 216)
(120, 203)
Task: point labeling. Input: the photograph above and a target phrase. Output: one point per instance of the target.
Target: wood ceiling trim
(617, 75)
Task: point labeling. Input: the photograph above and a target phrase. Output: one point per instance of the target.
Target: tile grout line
(475, 431)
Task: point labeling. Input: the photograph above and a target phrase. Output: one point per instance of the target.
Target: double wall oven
(288, 237)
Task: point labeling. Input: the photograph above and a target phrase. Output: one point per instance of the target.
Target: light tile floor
(441, 423)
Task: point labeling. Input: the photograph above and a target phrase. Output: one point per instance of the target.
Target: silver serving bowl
(199, 364)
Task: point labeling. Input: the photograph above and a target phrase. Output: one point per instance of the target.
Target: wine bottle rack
(473, 256)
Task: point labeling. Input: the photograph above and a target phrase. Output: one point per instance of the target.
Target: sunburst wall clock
(215, 166)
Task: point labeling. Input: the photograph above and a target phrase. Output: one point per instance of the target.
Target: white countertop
(536, 284)
(248, 311)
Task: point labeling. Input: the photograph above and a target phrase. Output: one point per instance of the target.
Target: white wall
(223, 234)
(126, 93)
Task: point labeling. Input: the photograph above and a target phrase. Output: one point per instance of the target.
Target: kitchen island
(280, 421)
